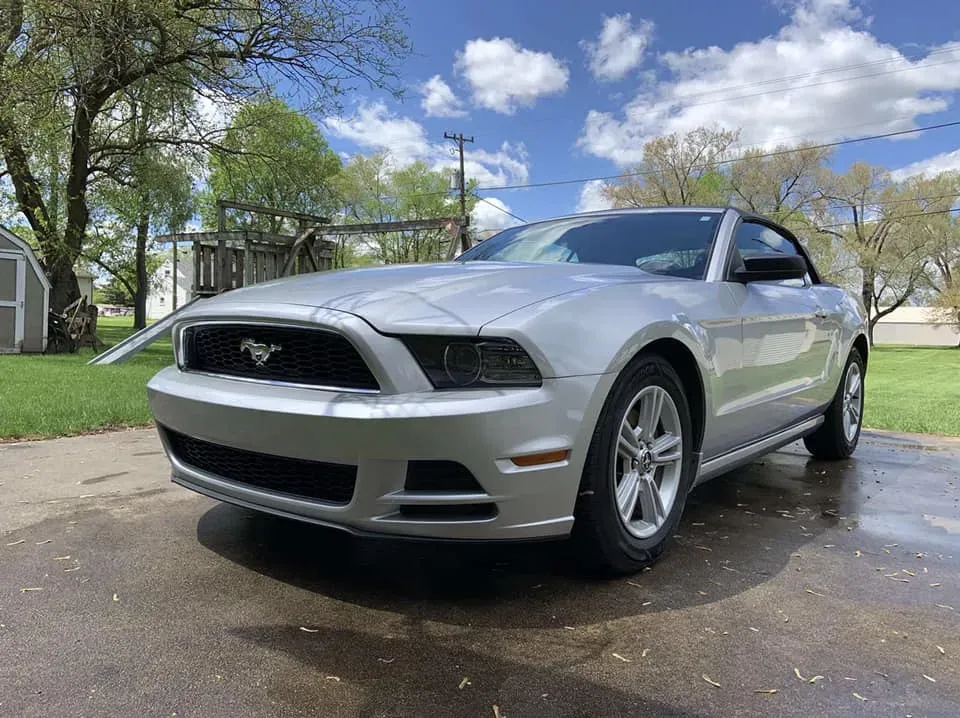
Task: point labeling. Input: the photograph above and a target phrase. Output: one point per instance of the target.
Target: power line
(681, 100)
(826, 71)
(811, 84)
(775, 153)
(499, 208)
(881, 219)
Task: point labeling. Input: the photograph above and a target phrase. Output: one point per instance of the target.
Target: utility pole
(460, 139)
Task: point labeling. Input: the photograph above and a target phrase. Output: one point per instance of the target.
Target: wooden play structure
(224, 260)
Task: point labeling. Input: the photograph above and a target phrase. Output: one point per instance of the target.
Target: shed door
(13, 286)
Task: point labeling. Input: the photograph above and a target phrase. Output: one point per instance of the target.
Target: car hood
(449, 298)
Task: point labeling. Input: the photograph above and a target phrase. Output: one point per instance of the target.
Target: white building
(160, 298)
(916, 326)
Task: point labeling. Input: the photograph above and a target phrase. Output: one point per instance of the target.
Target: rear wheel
(839, 434)
(638, 470)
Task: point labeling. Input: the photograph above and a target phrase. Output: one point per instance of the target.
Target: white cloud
(784, 87)
(374, 127)
(930, 167)
(619, 48)
(439, 100)
(504, 76)
(485, 217)
(591, 197)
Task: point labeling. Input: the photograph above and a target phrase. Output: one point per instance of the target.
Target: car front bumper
(379, 434)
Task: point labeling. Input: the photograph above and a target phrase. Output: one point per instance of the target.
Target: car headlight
(473, 362)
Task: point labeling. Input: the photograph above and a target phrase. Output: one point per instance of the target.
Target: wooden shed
(24, 297)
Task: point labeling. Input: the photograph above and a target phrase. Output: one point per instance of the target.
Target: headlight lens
(473, 362)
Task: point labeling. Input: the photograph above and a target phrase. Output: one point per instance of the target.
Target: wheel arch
(861, 344)
(684, 362)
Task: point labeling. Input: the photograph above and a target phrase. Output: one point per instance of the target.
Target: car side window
(754, 239)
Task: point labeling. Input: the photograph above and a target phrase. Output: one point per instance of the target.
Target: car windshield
(671, 243)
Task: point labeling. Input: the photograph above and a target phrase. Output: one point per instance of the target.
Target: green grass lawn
(59, 395)
(908, 389)
(913, 389)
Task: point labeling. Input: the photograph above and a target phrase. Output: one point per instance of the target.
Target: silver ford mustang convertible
(575, 377)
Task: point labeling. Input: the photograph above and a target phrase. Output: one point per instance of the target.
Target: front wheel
(839, 434)
(638, 470)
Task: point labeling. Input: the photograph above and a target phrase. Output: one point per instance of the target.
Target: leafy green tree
(373, 191)
(63, 62)
(276, 157)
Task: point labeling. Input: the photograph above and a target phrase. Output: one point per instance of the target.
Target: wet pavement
(835, 585)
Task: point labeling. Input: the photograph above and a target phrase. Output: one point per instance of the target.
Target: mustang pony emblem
(258, 352)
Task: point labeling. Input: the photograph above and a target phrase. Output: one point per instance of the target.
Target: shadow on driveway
(737, 532)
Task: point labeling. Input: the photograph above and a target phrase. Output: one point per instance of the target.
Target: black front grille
(296, 355)
(317, 480)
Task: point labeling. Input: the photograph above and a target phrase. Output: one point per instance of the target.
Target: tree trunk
(140, 296)
(64, 287)
(866, 294)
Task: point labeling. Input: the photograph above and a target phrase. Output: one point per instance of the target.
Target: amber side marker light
(550, 457)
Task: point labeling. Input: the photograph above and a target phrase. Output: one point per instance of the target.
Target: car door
(786, 339)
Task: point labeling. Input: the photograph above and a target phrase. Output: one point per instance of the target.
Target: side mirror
(771, 268)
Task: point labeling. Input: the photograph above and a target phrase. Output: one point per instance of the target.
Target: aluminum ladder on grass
(134, 344)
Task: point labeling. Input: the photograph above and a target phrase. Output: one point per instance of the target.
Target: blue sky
(571, 89)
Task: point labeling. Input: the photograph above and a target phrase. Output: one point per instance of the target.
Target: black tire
(830, 442)
(599, 536)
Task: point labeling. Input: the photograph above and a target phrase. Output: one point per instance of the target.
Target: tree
(941, 228)
(276, 157)
(373, 191)
(677, 170)
(144, 193)
(64, 61)
(878, 227)
(782, 183)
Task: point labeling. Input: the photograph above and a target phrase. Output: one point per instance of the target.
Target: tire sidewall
(619, 544)
(849, 445)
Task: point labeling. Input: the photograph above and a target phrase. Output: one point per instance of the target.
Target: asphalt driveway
(793, 588)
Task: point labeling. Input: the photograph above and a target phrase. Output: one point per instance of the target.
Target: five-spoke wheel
(648, 461)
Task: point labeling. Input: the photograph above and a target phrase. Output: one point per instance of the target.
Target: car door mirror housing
(771, 268)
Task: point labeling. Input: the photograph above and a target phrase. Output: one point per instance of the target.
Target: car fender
(599, 330)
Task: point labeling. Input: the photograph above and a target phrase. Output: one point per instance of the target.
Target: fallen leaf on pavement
(815, 593)
(41, 543)
(17, 543)
(815, 679)
(943, 605)
(496, 711)
(68, 570)
(116, 597)
(464, 683)
(60, 558)
(708, 680)
(932, 680)
(617, 655)
(24, 590)
(333, 678)
(942, 652)
(859, 697)
(767, 691)
(796, 672)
